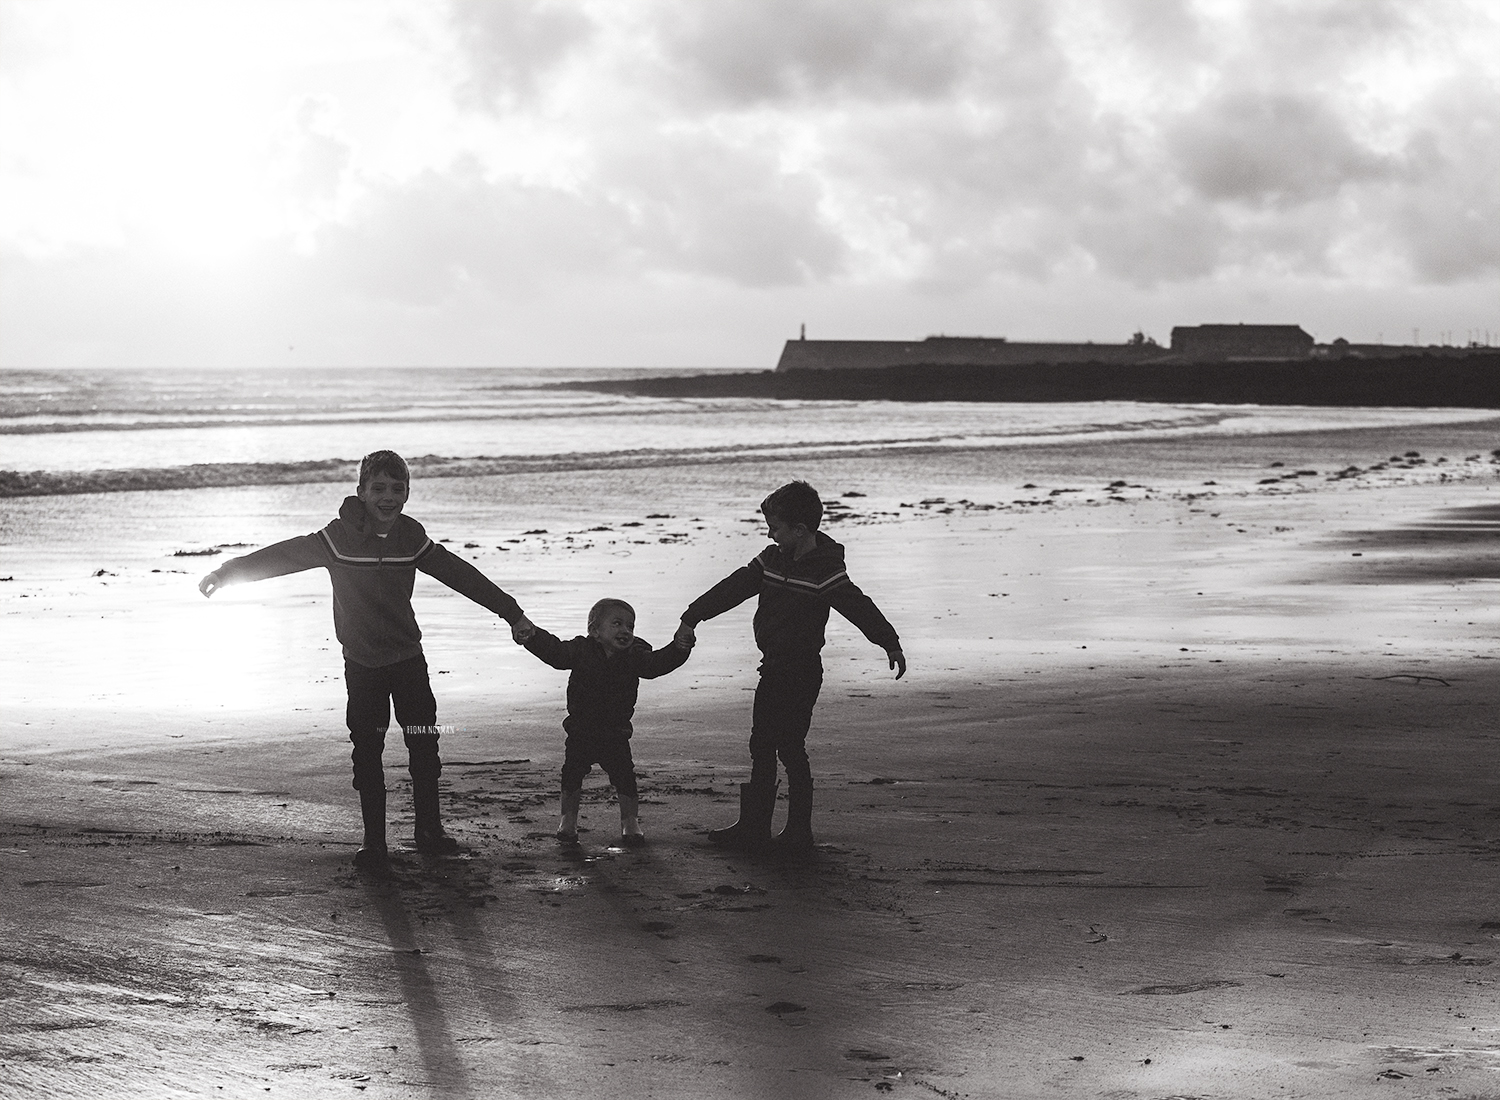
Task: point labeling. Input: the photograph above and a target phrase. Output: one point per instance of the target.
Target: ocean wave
(218, 475)
(37, 424)
(208, 475)
(1178, 423)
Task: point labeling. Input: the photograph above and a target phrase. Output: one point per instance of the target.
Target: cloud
(1448, 220)
(700, 204)
(449, 175)
(456, 233)
(512, 46)
(1270, 149)
(748, 52)
(1172, 243)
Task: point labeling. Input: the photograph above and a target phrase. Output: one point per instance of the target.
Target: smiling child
(372, 552)
(607, 666)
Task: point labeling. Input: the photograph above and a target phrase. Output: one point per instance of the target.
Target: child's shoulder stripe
(345, 558)
(807, 584)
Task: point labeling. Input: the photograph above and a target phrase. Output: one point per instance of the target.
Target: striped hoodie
(373, 578)
(795, 597)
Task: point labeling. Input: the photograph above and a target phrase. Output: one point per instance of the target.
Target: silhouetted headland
(1219, 364)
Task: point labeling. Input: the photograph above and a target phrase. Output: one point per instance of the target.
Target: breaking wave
(211, 475)
(154, 431)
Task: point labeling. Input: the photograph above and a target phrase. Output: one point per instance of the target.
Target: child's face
(384, 497)
(788, 536)
(616, 629)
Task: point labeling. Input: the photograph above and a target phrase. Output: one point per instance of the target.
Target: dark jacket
(373, 578)
(602, 687)
(795, 597)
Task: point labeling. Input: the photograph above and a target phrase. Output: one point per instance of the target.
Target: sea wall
(1414, 381)
(978, 351)
(955, 351)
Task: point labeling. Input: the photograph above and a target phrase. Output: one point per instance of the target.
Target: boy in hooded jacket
(798, 579)
(372, 553)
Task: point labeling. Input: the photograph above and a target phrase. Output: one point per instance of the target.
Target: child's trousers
(610, 750)
(372, 693)
(784, 701)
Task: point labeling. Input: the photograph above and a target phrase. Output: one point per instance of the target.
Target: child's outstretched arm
(464, 579)
(850, 601)
(648, 664)
(276, 560)
(548, 647)
(729, 593)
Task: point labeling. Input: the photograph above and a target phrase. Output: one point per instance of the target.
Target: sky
(681, 183)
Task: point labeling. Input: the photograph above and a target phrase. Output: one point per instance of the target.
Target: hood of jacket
(824, 549)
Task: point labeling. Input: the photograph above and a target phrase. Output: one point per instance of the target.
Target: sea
(68, 432)
(120, 489)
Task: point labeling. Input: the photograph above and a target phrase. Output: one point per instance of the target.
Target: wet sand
(1187, 794)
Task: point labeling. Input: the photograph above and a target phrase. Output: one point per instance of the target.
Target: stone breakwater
(1416, 381)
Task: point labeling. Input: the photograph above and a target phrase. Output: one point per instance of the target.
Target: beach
(1189, 791)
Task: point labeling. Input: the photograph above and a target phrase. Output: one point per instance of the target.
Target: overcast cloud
(683, 182)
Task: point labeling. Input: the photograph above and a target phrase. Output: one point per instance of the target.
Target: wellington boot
(372, 854)
(567, 825)
(753, 829)
(796, 839)
(630, 822)
(372, 858)
(430, 836)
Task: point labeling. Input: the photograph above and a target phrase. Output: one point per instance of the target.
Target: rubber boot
(372, 854)
(630, 822)
(567, 825)
(753, 829)
(796, 839)
(430, 837)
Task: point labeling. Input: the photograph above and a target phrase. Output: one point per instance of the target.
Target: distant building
(1241, 342)
(955, 351)
(1205, 344)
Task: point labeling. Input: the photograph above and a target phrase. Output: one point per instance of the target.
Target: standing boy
(607, 667)
(797, 579)
(372, 553)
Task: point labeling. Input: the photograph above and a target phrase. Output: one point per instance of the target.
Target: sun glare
(173, 126)
(222, 652)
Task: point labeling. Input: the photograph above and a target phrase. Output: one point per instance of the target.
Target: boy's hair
(603, 607)
(795, 502)
(388, 463)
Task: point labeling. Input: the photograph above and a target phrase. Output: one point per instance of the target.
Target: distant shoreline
(1418, 381)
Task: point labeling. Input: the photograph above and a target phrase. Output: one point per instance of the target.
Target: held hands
(521, 630)
(898, 661)
(685, 638)
(210, 584)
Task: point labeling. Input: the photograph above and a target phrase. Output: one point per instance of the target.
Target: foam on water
(66, 433)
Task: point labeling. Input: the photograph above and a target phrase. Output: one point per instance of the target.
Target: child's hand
(898, 661)
(210, 584)
(521, 630)
(685, 637)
